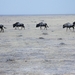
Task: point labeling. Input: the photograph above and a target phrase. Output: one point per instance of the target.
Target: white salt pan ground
(37, 52)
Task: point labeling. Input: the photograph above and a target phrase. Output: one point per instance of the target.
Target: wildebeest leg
(46, 28)
(21, 28)
(15, 28)
(40, 27)
(66, 29)
(2, 30)
(69, 28)
(73, 28)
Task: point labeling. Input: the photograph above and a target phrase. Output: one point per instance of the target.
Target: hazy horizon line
(32, 14)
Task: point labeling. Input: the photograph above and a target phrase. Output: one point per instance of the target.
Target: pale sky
(21, 7)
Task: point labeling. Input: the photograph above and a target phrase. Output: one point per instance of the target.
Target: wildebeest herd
(41, 24)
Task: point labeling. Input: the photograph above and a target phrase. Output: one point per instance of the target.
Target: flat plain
(37, 52)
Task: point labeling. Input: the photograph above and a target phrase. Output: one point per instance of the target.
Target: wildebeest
(17, 24)
(68, 25)
(2, 28)
(42, 25)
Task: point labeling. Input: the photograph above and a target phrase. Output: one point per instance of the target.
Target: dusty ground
(37, 52)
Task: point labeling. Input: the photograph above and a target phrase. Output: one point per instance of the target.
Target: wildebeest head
(13, 25)
(74, 23)
(63, 26)
(37, 25)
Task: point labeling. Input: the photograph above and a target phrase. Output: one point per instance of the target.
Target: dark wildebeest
(68, 25)
(42, 25)
(17, 24)
(2, 28)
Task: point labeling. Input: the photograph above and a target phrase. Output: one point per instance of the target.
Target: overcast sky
(19, 7)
